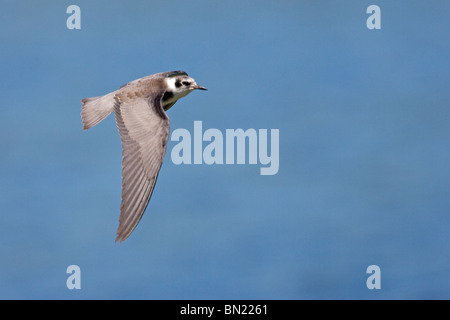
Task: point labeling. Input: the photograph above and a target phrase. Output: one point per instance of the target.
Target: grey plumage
(139, 107)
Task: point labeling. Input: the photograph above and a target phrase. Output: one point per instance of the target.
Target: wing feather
(144, 131)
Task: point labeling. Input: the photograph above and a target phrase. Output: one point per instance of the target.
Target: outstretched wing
(144, 129)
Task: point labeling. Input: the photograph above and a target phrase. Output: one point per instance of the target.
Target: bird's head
(179, 84)
(182, 84)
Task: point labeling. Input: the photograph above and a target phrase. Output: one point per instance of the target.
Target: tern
(140, 108)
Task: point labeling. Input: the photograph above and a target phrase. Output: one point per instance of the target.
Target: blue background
(364, 151)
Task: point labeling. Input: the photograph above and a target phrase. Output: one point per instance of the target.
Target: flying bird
(140, 109)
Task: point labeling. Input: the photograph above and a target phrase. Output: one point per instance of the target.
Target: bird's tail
(95, 109)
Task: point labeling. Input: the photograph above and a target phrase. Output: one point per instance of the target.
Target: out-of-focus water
(363, 117)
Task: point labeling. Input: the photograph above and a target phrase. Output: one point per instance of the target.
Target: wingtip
(120, 238)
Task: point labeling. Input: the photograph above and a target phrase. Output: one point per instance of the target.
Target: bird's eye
(186, 83)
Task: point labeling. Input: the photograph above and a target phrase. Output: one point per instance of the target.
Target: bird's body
(139, 107)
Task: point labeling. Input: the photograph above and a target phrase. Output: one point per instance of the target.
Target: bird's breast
(170, 97)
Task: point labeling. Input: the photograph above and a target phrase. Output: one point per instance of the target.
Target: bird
(140, 109)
